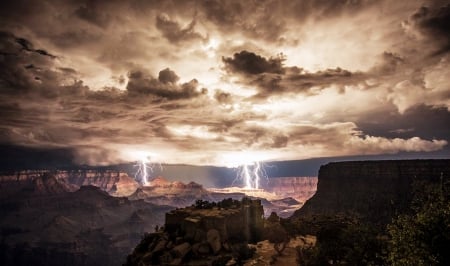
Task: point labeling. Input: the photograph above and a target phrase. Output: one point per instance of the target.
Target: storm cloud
(218, 82)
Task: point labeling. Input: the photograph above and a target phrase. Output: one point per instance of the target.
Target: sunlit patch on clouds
(223, 82)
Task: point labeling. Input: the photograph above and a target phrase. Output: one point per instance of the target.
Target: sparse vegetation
(275, 233)
(422, 237)
(344, 241)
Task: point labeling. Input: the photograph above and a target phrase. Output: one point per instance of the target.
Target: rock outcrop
(203, 234)
(163, 192)
(233, 219)
(371, 190)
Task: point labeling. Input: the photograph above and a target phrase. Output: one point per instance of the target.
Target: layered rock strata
(372, 190)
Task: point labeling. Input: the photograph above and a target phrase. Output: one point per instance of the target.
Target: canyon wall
(300, 188)
(116, 183)
(371, 190)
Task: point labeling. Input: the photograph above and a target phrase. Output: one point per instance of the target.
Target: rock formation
(203, 234)
(233, 219)
(299, 188)
(371, 190)
(163, 192)
(116, 183)
(43, 223)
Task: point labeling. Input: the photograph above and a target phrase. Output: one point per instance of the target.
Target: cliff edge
(370, 190)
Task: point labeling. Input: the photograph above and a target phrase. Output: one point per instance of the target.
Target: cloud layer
(225, 82)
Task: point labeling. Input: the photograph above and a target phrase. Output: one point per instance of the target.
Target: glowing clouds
(201, 132)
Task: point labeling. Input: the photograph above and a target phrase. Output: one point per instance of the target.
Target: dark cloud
(75, 38)
(258, 19)
(225, 13)
(269, 84)
(272, 78)
(323, 9)
(165, 86)
(168, 76)
(23, 67)
(268, 19)
(250, 63)
(279, 141)
(64, 79)
(426, 121)
(435, 20)
(173, 32)
(12, 45)
(432, 21)
(91, 14)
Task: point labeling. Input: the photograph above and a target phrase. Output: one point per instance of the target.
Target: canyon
(96, 217)
(47, 221)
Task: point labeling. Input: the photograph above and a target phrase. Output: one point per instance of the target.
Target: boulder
(179, 240)
(195, 248)
(231, 262)
(147, 258)
(204, 248)
(199, 235)
(160, 246)
(181, 250)
(226, 246)
(170, 245)
(213, 238)
(176, 261)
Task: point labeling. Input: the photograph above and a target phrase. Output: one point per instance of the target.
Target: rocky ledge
(203, 234)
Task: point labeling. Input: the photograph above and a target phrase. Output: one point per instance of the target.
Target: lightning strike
(251, 175)
(142, 174)
(145, 167)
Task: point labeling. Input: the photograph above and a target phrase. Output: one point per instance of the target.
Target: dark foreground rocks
(204, 234)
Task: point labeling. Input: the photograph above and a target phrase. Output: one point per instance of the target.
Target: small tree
(275, 233)
(422, 237)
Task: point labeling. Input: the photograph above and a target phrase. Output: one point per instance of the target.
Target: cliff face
(300, 188)
(116, 183)
(163, 192)
(372, 190)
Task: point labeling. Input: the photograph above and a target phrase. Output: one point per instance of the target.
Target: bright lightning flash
(145, 167)
(142, 175)
(251, 174)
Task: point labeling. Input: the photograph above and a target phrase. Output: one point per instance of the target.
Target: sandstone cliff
(371, 190)
(164, 192)
(300, 188)
(117, 183)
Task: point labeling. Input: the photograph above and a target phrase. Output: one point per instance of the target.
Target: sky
(225, 83)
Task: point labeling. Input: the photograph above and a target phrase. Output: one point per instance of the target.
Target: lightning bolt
(144, 168)
(251, 174)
